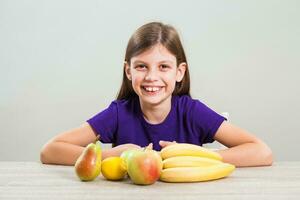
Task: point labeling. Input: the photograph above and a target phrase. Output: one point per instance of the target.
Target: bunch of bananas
(191, 163)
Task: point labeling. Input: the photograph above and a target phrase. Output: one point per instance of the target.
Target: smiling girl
(154, 106)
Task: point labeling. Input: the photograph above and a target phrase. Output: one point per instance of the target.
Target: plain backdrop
(61, 63)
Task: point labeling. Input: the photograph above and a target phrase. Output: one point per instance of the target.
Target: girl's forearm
(63, 153)
(248, 154)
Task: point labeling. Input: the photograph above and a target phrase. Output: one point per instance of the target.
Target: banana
(189, 161)
(185, 149)
(196, 174)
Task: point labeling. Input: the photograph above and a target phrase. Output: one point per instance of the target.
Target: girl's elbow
(267, 157)
(44, 154)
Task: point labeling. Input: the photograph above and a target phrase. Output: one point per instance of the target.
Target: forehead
(157, 53)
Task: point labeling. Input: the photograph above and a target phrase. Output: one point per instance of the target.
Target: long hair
(143, 39)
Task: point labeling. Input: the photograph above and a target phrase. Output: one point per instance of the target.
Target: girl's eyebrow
(162, 61)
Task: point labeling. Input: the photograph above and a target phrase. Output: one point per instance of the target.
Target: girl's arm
(244, 149)
(65, 148)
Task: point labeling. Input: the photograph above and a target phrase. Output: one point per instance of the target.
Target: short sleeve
(105, 123)
(205, 121)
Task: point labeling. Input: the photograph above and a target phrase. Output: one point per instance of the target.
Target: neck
(155, 114)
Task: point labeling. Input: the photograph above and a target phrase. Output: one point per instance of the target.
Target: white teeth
(152, 89)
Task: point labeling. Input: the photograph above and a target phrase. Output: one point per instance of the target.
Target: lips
(152, 89)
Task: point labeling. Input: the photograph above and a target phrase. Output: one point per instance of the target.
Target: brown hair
(143, 39)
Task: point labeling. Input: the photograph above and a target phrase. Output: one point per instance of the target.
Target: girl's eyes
(164, 67)
(143, 67)
(140, 66)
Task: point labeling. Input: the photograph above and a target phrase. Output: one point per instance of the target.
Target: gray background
(61, 63)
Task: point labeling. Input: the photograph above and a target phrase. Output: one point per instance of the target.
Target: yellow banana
(196, 174)
(184, 149)
(189, 161)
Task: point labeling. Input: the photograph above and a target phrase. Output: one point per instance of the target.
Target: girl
(154, 106)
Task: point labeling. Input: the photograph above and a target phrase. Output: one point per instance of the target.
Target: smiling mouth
(151, 90)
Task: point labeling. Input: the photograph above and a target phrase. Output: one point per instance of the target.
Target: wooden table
(33, 180)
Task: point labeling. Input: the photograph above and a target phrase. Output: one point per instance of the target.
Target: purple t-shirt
(189, 121)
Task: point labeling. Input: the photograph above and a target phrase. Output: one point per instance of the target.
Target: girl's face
(153, 74)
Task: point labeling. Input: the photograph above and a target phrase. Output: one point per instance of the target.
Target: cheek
(136, 80)
(171, 79)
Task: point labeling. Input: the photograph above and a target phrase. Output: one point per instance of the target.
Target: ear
(127, 70)
(180, 71)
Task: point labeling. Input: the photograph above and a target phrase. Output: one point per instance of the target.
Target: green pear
(88, 164)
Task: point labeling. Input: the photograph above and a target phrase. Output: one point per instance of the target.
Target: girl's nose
(151, 75)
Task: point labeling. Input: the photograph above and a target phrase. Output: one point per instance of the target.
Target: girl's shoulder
(126, 104)
(186, 103)
(185, 100)
(125, 101)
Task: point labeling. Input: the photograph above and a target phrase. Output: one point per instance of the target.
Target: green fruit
(88, 164)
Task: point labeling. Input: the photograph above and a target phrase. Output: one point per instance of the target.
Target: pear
(88, 164)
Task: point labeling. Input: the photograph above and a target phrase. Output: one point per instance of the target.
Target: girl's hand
(163, 143)
(123, 147)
